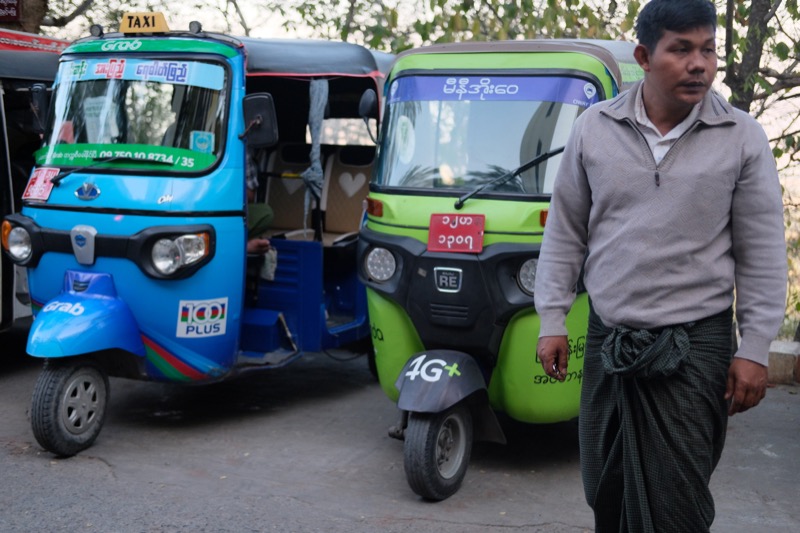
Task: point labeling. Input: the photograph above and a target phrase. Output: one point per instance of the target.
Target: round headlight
(380, 264)
(526, 277)
(192, 248)
(166, 256)
(19, 243)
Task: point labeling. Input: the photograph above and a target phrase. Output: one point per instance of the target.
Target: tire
(68, 406)
(437, 450)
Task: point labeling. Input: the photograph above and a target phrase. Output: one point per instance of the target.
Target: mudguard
(435, 380)
(86, 317)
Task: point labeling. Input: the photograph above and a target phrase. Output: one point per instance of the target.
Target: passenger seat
(285, 191)
(347, 175)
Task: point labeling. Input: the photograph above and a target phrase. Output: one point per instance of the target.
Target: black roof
(312, 57)
(24, 65)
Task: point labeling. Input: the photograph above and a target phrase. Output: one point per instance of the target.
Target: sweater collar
(714, 110)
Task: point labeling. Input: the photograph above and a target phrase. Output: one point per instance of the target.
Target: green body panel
(520, 388)
(519, 62)
(152, 44)
(506, 220)
(394, 339)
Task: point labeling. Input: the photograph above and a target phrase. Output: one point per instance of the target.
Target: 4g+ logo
(431, 370)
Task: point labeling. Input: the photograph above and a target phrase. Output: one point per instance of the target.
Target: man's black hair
(673, 15)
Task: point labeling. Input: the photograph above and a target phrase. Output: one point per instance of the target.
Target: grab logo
(202, 318)
(121, 46)
(75, 309)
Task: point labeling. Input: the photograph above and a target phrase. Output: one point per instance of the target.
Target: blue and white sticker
(195, 73)
(201, 141)
(561, 89)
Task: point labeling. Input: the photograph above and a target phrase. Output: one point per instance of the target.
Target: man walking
(669, 199)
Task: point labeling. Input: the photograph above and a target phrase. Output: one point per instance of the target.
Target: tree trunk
(741, 79)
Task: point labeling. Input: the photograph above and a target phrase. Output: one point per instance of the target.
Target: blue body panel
(322, 306)
(84, 321)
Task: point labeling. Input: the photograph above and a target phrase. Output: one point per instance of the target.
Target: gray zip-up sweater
(665, 244)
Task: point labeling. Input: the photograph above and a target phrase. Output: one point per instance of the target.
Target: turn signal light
(5, 231)
(374, 207)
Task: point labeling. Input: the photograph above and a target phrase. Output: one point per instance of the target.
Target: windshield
(457, 133)
(145, 113)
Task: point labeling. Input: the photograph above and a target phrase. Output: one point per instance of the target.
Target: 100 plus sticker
(202, 318)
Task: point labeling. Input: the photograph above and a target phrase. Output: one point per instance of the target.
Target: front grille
(450, 312)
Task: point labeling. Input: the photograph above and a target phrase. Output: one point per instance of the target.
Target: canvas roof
(28, 65)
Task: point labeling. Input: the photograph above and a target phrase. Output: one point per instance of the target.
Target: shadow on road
(529, 446)
(13, 341)
(313, 378)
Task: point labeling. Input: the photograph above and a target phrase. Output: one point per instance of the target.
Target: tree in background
(70, 19)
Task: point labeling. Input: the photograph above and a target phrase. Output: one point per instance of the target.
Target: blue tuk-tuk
(134, 221)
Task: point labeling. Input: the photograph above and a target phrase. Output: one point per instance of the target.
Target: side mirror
(368, 105)
(261, 123)
(40, 99)
(368, 108)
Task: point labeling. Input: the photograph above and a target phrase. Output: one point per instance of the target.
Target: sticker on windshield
(201, 141)
(193, 73)
(40, 185)
(494, 88)
(169, 71)
(128, 156)
(113, 69)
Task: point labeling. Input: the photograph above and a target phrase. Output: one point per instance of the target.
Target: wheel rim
(450, 446)
(81, 403)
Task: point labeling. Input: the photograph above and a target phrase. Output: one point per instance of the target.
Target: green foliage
(782, 51)
(792, 220)
(396, 25)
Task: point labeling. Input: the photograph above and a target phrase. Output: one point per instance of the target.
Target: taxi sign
(143, 23)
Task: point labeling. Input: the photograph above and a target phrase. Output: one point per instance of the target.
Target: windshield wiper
(507, 176)
(56, 180)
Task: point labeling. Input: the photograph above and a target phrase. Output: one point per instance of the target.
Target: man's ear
(642, 56)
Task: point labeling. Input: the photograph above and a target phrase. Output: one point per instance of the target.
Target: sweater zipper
(656, 175)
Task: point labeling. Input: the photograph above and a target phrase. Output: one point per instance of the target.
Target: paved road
(305, 449)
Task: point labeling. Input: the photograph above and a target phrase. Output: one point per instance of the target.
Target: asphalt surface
(305, 449)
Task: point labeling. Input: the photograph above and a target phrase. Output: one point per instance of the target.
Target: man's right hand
(553, 352)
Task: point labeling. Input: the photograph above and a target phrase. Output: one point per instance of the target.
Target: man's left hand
(747, 385)
(257, 245)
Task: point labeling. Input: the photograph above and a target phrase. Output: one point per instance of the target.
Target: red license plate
(456, 233)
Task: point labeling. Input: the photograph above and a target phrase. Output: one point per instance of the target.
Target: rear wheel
(68, 407)
(437, 450)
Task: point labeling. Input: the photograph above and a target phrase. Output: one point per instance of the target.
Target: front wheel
(437, 450)
(68, 407)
